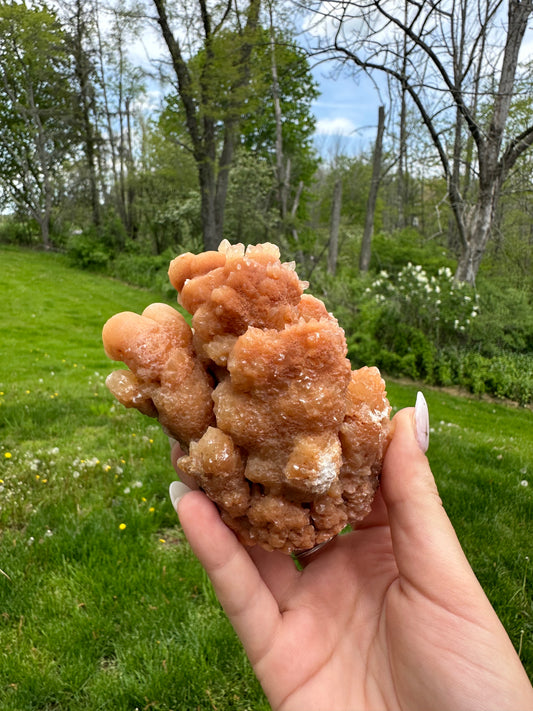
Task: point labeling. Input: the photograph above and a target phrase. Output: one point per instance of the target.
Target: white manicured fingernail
(422, 422)
(177, 491)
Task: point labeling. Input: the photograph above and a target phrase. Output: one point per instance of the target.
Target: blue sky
(346, 112)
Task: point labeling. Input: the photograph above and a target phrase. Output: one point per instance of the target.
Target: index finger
(245, 596)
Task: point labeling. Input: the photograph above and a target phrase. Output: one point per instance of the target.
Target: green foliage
(392, 251)
(505, 318)
(88, 251)
(37, 127)
(14, 230)
(417, 322)
(250, 216)
(147, 271)
(435, 305)
(298, 90)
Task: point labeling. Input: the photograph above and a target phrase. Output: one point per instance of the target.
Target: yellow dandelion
(28, 392)
(1, 481)
(122, 526)
(44, 481)
(107, 467)
(151, 441)
(37, 476)
(151, 509)
(7, 455)
(143, 499)
(162, 540)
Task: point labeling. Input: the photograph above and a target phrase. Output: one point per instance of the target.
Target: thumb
(424, 541)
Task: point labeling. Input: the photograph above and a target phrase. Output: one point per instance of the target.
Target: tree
(279, 125)
(37, 125)
(213, 94)
(451, 42)
(80, 17)
(120, 85)
(366, 244)
(335, 221)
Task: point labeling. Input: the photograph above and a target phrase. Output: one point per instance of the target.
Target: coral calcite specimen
(280, 433)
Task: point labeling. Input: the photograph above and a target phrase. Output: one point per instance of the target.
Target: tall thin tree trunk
(402, 156)
(107, 109)
(366, 244)
(333, 247)
(83, 72)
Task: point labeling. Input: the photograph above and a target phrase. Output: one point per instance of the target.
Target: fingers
(278, 572)
(244, 589)
(246, 598)
(425, 544)
(176, 452)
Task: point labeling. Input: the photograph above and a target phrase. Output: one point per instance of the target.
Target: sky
(346, 113)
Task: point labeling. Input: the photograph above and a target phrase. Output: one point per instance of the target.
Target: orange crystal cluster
(281, 434)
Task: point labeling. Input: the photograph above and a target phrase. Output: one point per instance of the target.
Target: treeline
(421, 244)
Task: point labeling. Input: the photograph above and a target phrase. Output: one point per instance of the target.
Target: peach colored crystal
(281, 434)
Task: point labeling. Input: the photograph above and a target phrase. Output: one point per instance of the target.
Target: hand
(389, 616)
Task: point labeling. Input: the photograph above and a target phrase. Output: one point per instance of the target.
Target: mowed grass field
(102, 604)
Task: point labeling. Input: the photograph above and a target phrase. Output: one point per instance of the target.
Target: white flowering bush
(442, 309)
(426, 326)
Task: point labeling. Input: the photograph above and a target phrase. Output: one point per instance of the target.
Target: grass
(104, 606)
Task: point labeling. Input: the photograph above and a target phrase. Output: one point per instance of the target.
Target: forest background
(421, 244)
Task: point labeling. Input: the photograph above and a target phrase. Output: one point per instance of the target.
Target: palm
(310, 650)
(389, 616)
(306, 661)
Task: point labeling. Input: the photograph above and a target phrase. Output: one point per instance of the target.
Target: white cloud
(339, 126)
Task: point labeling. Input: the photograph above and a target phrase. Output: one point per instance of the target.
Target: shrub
(16, 231)
(87, 251)
(435, 304)
(148, 271)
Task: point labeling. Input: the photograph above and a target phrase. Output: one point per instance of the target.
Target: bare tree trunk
(402, 154)
(433, 62)
(213, 171)
(493, 169)
(333, 247)
(478, 226)
(224, 168)
(131, 212)
(107, 109)
(281, 172)
(366, 244)
(83, 71)
(43, 205)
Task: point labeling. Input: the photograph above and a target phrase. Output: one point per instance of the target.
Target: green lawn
(102, 605)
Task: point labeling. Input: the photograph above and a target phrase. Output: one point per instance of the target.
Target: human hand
(389, 616)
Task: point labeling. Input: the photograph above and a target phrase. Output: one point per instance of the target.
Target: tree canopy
(38, 129)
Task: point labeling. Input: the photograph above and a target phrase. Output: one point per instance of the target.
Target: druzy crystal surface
(279, 431)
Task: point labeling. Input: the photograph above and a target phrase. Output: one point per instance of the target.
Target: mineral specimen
(281, 434)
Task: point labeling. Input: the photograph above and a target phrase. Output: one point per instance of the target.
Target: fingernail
(177, 491)
(422, 422)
